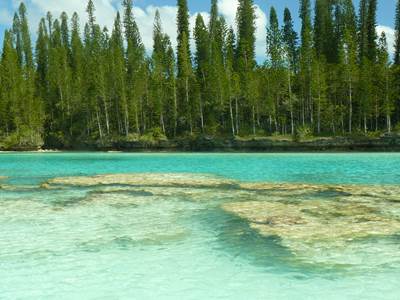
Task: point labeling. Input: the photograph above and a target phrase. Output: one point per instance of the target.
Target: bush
(302, 133)
(25, 139)
(152, 136)
(158, 134)
(132, 137)
(397, 129)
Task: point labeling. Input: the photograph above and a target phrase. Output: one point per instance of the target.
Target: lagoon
(174, 239)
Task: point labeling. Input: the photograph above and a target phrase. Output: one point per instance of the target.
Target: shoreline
(232, 145)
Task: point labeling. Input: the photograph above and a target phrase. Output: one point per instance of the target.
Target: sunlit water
(56, 245)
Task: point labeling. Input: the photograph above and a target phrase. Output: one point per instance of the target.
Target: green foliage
(397, 129)
(100, 86)
(303, 133)
(397, 38)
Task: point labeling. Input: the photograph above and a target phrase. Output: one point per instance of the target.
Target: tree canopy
(94, 85)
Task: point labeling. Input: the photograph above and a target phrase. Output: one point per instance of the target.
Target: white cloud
(390, 36)
(228, 10)
(145, 21)
(5, 17)
(107, 9)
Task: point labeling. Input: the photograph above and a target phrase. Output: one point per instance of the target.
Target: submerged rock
(144, 179)
(322, 228)
(1, 179)
(318, 223)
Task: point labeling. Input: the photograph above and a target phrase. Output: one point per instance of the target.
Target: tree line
(335, 77)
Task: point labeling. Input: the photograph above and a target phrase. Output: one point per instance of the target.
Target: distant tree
(306, 62)
(245, 61)
(202, 64)
(397, 35)
(184, 65)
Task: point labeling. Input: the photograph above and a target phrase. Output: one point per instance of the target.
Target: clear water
(53, 245)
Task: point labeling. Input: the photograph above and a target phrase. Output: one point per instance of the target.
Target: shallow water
(94, 243)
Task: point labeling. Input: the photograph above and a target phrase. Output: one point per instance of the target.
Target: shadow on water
(236, 239)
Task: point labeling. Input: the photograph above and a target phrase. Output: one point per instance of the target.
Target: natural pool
(199, 226)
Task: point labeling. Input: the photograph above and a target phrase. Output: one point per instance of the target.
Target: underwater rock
(310, 226)
(317, 222)
(18, 188)
(1, 179)
(144, 179)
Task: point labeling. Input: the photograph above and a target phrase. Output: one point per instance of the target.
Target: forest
(336, 77)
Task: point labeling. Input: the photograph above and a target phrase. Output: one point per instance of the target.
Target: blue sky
(145, 9)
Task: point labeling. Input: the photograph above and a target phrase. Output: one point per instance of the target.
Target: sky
(144, 11)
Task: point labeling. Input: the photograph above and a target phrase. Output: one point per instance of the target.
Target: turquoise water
(54, 244)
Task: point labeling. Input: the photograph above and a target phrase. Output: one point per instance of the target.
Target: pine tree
(216, 95)
(232, 81)
(245, 19)
(98, 123)
(25, 37)
(371, 30)
(202, 62)
(320, 32)
(338, 79)
(30, 110)
(16, 31)
(10, 88)
(135, 67)
(184, 65)
(159, 72)
(277, 78)
(290, 41)
(77, 88)
(172, 107)
(185, 78)
(183, 29)
(117, 78)
(245, 55)
(363, 29)
(319, 90)
(274, 41)
(348, 60)
(306, 62)
(42, 63)
(397, 37)
(384, 81)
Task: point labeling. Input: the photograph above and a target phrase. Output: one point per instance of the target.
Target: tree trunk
(137, 118)
(376, 114)
(99, 124)
(187, 103)
(291, 103)
(106, 115)
(350, 106)
(254, 120)
(365, 123)
(319, 112)
(162, 122)
(201, 113)
(389, 123)
(237, 115)
(126, 120)
(231, 114)
(175, 108)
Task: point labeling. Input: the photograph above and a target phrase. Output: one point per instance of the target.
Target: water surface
(75, 244)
